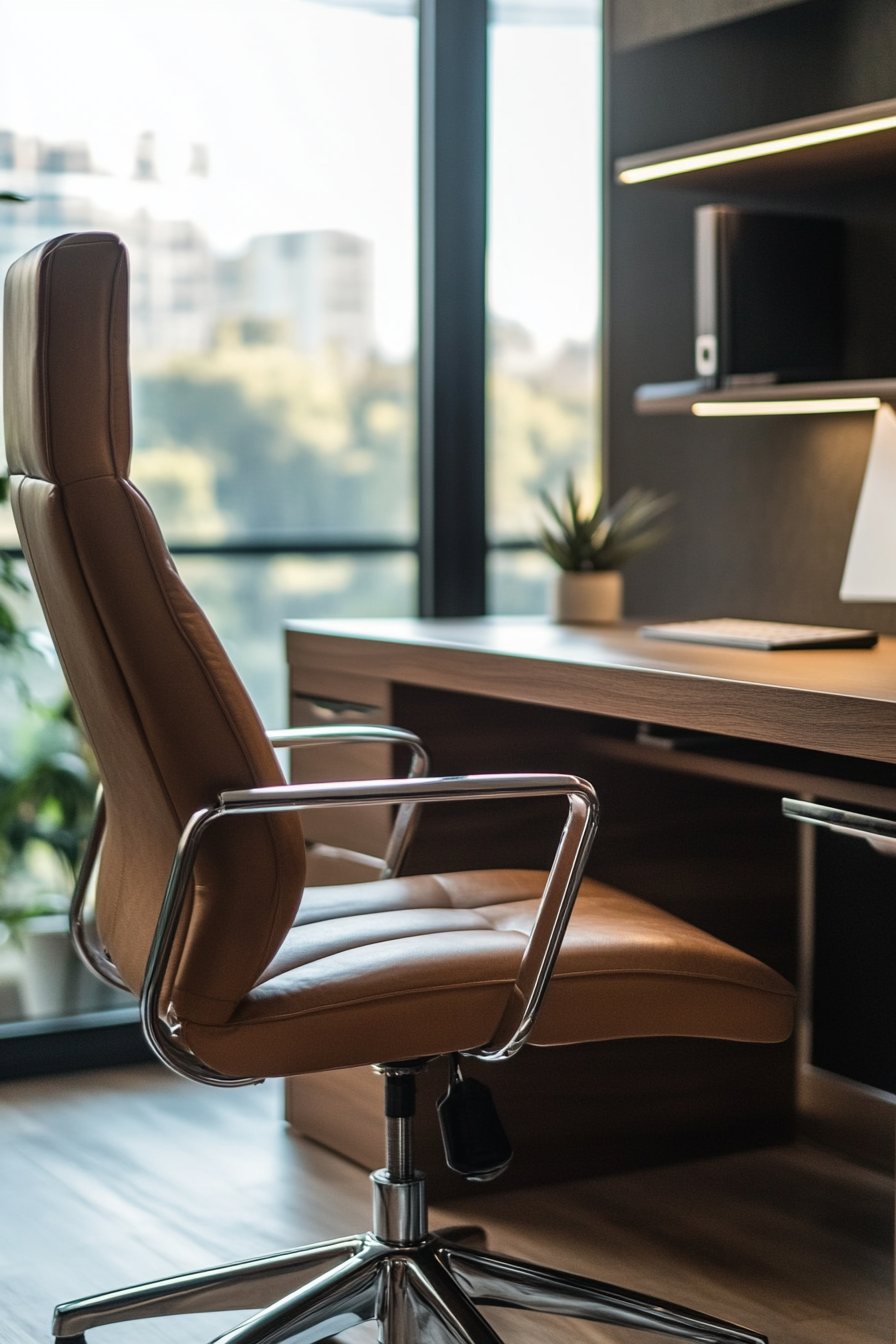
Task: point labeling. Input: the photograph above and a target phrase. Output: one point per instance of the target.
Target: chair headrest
(66, 396)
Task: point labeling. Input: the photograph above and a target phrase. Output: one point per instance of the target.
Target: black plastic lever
(473, 1137)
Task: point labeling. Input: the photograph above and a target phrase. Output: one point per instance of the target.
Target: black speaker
(768, 297)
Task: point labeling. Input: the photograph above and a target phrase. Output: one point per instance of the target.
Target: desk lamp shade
(870, 571)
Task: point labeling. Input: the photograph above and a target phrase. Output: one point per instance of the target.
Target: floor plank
(111, 1178)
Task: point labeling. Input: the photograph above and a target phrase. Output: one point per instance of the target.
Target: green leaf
(585, 541)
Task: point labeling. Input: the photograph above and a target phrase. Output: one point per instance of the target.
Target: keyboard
(761, 634)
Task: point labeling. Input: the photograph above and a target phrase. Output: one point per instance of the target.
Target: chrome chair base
(425, 1292)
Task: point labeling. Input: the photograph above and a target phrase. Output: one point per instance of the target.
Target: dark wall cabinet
(765, 505)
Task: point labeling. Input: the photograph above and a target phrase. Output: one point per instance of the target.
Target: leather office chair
(199, 901)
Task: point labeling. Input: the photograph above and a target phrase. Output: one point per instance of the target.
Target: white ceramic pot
(55, 983)
(587, 597)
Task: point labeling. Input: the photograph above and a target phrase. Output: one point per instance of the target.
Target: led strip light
(716, 158)
(815, 406)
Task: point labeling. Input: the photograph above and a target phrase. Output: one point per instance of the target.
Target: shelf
(779, 771)
(854, 142)
(651, 399)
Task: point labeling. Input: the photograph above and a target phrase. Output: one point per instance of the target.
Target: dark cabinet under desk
(695, 826)
(853, 1001)
(846, 1039)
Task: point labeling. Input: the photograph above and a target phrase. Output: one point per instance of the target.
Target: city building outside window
(259, 160)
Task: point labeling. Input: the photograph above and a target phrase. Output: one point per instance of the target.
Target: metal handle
(544, 941)
(879, 832)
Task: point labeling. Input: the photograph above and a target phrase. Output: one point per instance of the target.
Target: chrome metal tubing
(560, 891)
(424, 1293)
(542, 948)
(399, 1208)
(84, 935)
(349, 732)
(338, 1300)
(408, 814)
(499, 1281)
(248, 1284)
(546, 937)
(160, 1031)
(444, 1303)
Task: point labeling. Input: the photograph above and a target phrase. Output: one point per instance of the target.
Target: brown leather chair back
(167, 716)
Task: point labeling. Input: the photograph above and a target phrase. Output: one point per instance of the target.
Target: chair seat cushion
(423, 965)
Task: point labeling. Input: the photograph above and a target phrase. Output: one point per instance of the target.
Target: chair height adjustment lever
(475, 1143)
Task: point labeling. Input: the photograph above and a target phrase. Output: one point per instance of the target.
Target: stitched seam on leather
(437, 989)
(44, 287)
(609, 973)
(113, 292)
(439, 879)
(382, 941)
(45, 381)
(270, 951)
(59, 491)
(453, 988)
(178, 624)
(44, 278)
(43, 334)
(480, 984)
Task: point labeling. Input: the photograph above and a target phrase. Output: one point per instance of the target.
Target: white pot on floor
(587, 597)
(55, 983)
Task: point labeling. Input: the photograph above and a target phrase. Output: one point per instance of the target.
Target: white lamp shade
(870, 571)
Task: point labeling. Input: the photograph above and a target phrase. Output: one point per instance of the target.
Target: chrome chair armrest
(343, 732)
(542, 947)
(408, 814)
(84, 935)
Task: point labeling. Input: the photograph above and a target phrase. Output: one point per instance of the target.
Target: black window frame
(452, 546)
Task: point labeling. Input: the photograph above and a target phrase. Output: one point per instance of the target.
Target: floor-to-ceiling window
(260, 160)
(543, 270)
(258, 157)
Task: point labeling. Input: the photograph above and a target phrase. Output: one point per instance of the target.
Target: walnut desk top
(831, 700)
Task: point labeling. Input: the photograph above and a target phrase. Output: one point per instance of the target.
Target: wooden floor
(111, 1178)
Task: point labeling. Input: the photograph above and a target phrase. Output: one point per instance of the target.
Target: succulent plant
(587, 541)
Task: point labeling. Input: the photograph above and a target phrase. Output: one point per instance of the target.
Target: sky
(308, 113)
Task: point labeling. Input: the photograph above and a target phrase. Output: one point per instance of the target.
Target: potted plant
(46, 804)
(591, 548)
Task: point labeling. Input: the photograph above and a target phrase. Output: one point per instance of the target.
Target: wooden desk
(837, 700)
(697, 831)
